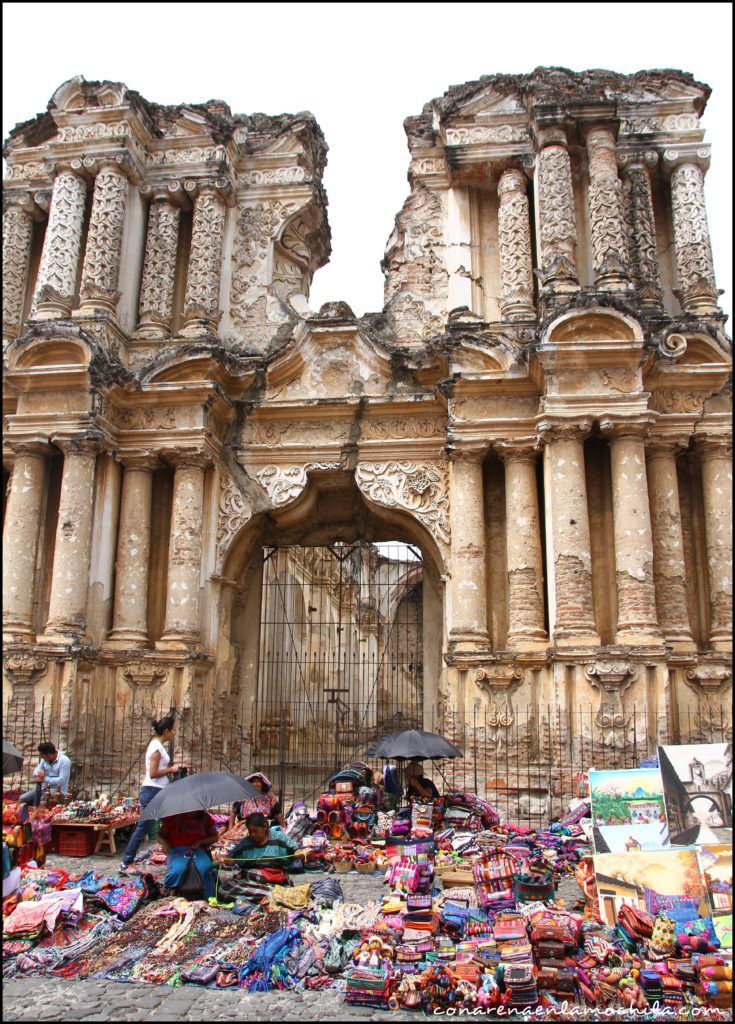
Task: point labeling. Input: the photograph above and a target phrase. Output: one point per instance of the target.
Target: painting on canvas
(628, 812)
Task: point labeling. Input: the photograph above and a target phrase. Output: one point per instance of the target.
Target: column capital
(183, 459)
(220, 187)
(551, 135)
(455, 454)
(513, 179)
(87, 444)
(615, 428)
(520, 449)
(550, 430)
(659, 447)
(674, 159)
(83, 168)
(172, 192)
(139, 460)
(599, 134)
(637, 159)
(713, 446)
(28, 446)
(24, 201)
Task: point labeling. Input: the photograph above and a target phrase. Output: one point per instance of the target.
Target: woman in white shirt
(158, 767)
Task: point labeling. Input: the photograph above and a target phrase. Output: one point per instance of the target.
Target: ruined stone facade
(542, 407)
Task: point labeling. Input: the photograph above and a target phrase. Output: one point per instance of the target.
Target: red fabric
(185, 829)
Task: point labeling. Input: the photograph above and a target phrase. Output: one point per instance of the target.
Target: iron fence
(527, 760)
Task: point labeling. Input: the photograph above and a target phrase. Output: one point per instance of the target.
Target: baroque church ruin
(500, 508)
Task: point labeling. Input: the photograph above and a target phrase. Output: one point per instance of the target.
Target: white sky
(361, 69)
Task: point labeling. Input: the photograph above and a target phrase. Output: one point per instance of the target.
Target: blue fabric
(391, 781)
(177, 860)
(141, 829)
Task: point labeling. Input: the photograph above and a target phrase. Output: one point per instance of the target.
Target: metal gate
(340, 659)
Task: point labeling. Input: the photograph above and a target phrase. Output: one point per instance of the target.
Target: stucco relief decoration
(197, 155)
(285, 483)
(556, 209)
(23, 671)
(274, 176)
(86, 132)
(398, 428)
(159, 267)
(421, 489)
(514, 237)
(691, 231)
(668, 400)
(612, 678)
(145, 679)
(63, 239)
(205, 259)
(709, 679)
(151, 418)
(642, 239)
(412, 259)
(104, 240)
(234, 511)
(292, 260)
(256, 228)
(28, 171)
(17, 232)
(609, 241)
(480, 134)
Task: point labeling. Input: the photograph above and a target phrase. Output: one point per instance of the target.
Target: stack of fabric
(520, 985)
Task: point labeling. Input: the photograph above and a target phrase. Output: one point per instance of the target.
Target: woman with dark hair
(267, 803)
(158, 767)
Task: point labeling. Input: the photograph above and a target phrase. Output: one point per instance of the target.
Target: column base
(524, 642)
(122, 639)
(18, 631)
(150, 331)
(720, 642)
(62, 635)
(572, 639)
(177, 642)
(638, 636)
(469, 641)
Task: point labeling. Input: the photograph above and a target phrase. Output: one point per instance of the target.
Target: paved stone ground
(55, 999)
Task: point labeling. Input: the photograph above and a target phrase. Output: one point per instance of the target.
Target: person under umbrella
(418, 785)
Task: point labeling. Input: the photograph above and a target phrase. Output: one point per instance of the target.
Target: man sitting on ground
(264, 847)
(52, 773)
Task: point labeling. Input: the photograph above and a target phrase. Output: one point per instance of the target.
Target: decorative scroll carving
(28, 171)
(205, 260)
(498, 677)
(234, 512)
(623, 381)
(612, 677)
(709, 678)
(609, 242)
(257, 227)
(159, 267)
(145, 675)
(274, 176)
(514, 241)
(695, 272)
(669, 400)
(643, 235)
(284, 483)
(398, 428)
(558, 234)
(17, 233)
(421, 489)
(101, 268)
(197, 155)
(63, 240)
(481, 133)
(150, 418)
(22, 670)
(637, 125)
(84, 132)
(429, 165)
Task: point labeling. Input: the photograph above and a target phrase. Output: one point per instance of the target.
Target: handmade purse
(534, 886)
(201, 974)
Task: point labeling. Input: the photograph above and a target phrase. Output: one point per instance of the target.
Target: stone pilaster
(70, 579)
(185, 551)
(20, 535)
(56, 285)
(201, 303)
(159, 267)
(644, 253)
(716, 456)
(514, 243)
(523, 545)
(637, 620)
(557, 223)
(669, 566)
(130, 610)
(607, 215)
(570, 555)
(101, 269)
(17, 236)
(468, 629)
(694, 268)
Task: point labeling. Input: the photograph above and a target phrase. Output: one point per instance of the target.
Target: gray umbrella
(198, 793)
(411, 743)
(12, 758)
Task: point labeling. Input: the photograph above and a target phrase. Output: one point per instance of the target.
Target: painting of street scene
(628, 811)
(716, 864)
(697, 779)
(651, 881)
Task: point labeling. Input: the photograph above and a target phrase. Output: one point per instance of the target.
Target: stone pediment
(329, 362)
(489, 104)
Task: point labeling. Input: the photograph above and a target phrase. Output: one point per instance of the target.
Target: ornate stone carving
(481, 133)
(257, 226)
(145, 675)
(694, 269)
(709, 678)
(149, 418)
(196, 155)
(85, 132)
(398, 428)
(23, 670)
(63, 239)
(612, 678)
(514, 242)
(498, 677)
(643, 235)
(623, 381)
(421, 489)
(285, 483)
(429, 165)
(205, 259)
(558, 229)
(17, 234)
(28, 171)
(669, 400)
(234, 512)
(274, 176)
(101, 268)
(609, 241)
(159, 266)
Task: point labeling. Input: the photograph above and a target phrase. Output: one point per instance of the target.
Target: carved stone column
(716, 456)
(570, 559)
(669, 567)
(185, 551)
(17, 235)
(467, 518)
(130, 610)
(70, 580)
(159, 267)
(523, 544)
(637, 620)
(201, 303)
(101, 269)
(514, 243)
(644, 253)
(21, 533)
(607, 214)
(56, 285)
(694, 268)
(557, 223)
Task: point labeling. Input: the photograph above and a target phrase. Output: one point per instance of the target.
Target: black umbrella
(12, 758)
(413, 744)
(198, 793)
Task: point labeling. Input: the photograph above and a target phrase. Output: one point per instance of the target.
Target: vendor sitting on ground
(418, 785)
(267, 804)
(184, 836)
(264, 847)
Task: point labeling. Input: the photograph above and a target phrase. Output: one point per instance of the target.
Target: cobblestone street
(51, 999)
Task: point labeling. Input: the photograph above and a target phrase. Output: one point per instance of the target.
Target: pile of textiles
(26, 833)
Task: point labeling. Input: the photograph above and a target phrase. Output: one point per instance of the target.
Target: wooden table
(106, 832)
